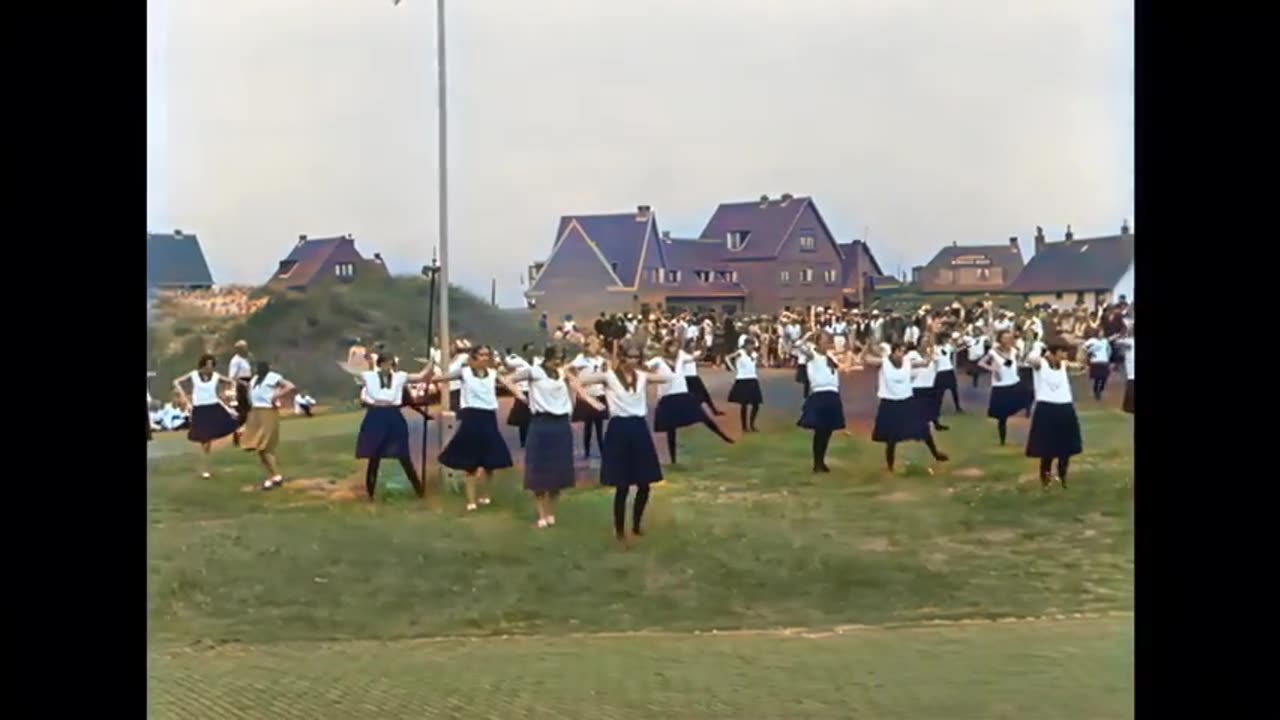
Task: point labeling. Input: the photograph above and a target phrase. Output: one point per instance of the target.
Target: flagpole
(443, 212)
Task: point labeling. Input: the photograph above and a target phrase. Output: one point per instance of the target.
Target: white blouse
(479, 392)
(204, 393)
(676, 383)
(1099, 350)
(744, 366)
(1053, 386)
(1006, 370)
(547, 395)
(822, 378)
(455, 365)
(921, 377)
(623, 402)
(374, 392)
(515, 363)
(1127, 344)
(944, 358)
(240, 369)
(977, 348)
(263, 394)
(894, 382)
(589, 364)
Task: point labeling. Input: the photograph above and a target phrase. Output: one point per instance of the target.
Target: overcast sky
(926, 121)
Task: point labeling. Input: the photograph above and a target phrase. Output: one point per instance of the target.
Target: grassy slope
(304, 335)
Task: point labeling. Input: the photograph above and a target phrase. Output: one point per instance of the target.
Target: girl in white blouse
(261, 431)
(210, 419)
(591, 415)
(1129, 361)
(677, 407)
(383, 431)
(1008, 396)
(1055, 428)
(823, 410)
(898, 415)
(477, 447)
(745, 392)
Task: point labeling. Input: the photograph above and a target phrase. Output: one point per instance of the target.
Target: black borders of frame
(82, 147)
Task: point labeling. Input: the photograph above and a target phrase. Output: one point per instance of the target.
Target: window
(286, 268)
(829, 276)
(1057, 296)
(704, 276)
(984, 274)
(1079, 298)
(807, 243)
(729, 276)
(673, 276)
(946, 277)
(653, 275)
(806, 276)
(736, 239)
(785, 276)
(344, 270)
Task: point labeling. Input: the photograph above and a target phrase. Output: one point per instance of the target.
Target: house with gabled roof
(314, 260)
(1078, 271)
(961, 270)
(760, 256)
(175, 261)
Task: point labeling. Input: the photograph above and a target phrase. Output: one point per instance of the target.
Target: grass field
(311, 603)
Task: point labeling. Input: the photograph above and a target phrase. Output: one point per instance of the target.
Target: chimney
(302, 239)
(177, 233)
(1039, 239)
(377, 257)
(666, 235)
(1013, 243)
(955, 244)
(1069, 236)
(642, 213)
(1124, 228)
(787, 197)
(764, 200)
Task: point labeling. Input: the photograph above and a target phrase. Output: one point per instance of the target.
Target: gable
(809, 223)
(575, 265)
(176, 261)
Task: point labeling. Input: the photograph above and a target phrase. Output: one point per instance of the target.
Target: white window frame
(808, 243)
(704, 276)
(671, 277)
(806, 276)
(735, 240)
(784, 277)
(829, 276)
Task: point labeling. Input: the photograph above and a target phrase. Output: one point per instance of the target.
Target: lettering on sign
(971, 260)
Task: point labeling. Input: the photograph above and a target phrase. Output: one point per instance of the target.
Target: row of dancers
(550, 393)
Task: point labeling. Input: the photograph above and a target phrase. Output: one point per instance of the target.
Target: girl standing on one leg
(630, 459)
(519, 415)
(591, 415)
(823, 410)
(548, 462)
(897, 416)
(384, 432)
(1055, 428)
(677, 407)
(261, 431)
(1007, 394)
(210, 419)
(477, 448)
(745, 392)
(1028, 346)
(923, 391)
(944, 364)
(1099, 351)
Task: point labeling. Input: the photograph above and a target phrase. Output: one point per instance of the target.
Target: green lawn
(317, 599)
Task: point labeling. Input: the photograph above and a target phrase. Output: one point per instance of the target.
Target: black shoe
(940, 427)
(821, 468)
(942, 457)
(637, 532)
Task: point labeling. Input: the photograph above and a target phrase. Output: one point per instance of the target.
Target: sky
(912, 123)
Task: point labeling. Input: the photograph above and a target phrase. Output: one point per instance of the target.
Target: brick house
(1089, 271)
(314, 260)
(759, 256)
(961, 270)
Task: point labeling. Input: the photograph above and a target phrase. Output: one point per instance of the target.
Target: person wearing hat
(240, 370)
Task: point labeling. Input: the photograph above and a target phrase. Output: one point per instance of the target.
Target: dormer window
(704, 276)
(672, 277)
(736, 239)
(286, 268)
(728, 276)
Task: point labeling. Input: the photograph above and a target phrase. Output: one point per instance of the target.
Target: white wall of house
(1125, 285)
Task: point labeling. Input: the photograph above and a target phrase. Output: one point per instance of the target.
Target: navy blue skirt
(629, 455)
(1128, 397)
(676, 411)
(1055, 431)
(802, 374)
(1007, 401)
(698, 389)
(583, 412)
(548, 456)
(477, 443)
(519, 414)
(1099, 371)
(822, 410)
(899, 421)
(383, 434)
(929, 402)
(211, 422)
(944, 380)
(455, 400)
(746, 391)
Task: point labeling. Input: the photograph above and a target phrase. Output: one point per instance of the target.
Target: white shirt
(624, 403)
(204, 393)
(590, 364)
(515, 363)
(454, 366)
(744, 366)
(921, 377)
(793, 332)
(911, 335)
(374, 391)
(821, 377)
(263, 394)
(1002, 324)
(944, 358)
(303, 401)
(691, 332)
(1099, 350)
(1006, 369)
(977, 348)
(1036, 349)
(1052, 386)
(547, 394)
(742, 340)
(479, 392)
(239, 369)
(894, 382)
(689, 365)
(677, 383)
(1127, 344)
